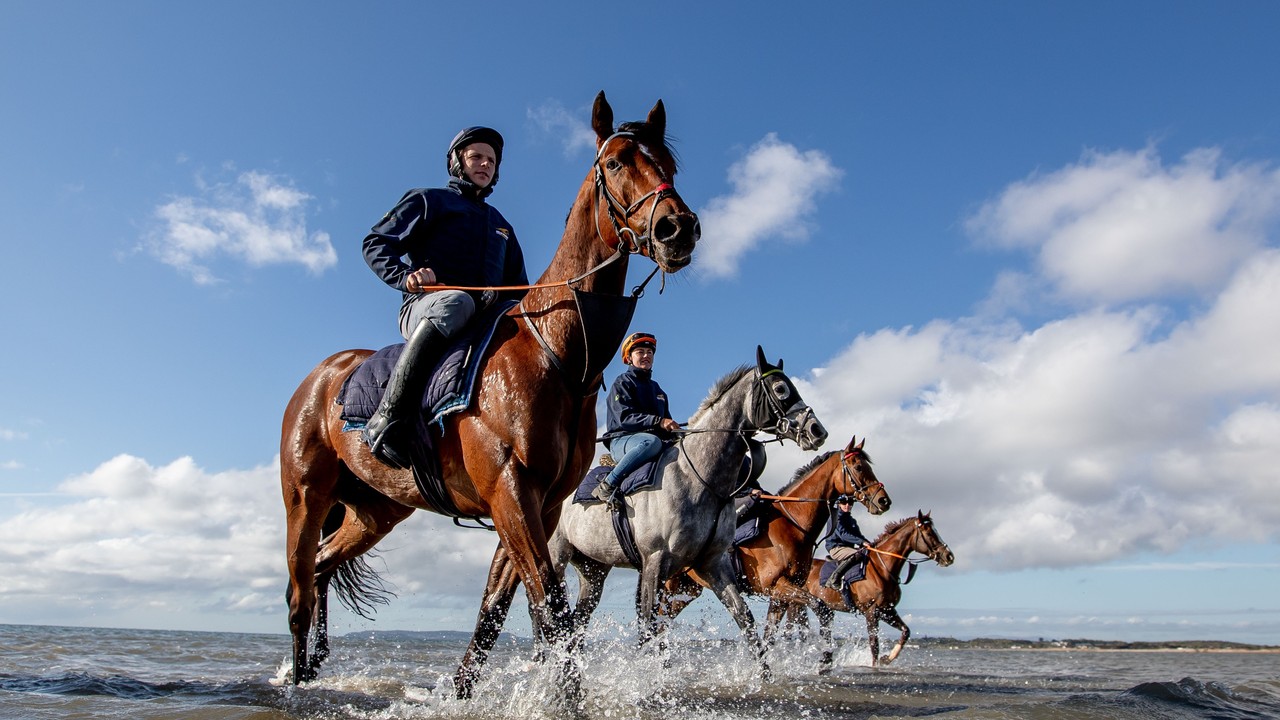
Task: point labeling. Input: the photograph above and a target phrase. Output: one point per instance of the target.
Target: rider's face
(478, 163)
(642, 357)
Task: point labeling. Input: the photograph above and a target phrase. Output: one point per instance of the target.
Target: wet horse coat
(687, 520)
(775, 563)
(518, 450)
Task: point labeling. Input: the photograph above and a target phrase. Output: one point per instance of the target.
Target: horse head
(634, 176)
(858, 480)
(779, 409)
(927, 542)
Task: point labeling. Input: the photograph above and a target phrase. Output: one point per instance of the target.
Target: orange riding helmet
(635, 340)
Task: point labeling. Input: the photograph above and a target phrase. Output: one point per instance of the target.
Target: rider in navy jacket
(636, 404)
(439, 237)
(639, 418)
(845, 542)
(452, 230)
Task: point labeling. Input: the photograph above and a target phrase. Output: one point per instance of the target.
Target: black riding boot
(845, 566)
(403, 394)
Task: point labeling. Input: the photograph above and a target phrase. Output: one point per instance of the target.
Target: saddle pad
(452, 383)
(747, 531)
(855, 573)
(645, 476)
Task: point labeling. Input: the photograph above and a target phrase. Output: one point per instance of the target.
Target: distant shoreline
(1075, 645)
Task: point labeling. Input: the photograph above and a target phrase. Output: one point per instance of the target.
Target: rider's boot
(845, 565)
(403, 394)
(606, 493)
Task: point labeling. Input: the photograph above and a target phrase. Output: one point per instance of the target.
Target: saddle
(854, 574)
(449, 389)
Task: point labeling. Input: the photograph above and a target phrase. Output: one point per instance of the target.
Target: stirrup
(376, 439)
(606, 494)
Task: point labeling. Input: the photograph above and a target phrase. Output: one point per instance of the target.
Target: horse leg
(676, 594)
(350, 531)
(305, 519)
(826, 616)
(777, 609)
(890, 615)
(498, 592)
(873, 633)
(591, 577)
(720, 579)
(784, 596)
(647, 598)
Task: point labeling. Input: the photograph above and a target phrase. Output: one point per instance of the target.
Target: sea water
(59, 672)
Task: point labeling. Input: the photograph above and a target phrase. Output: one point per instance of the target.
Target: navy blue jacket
(636, 404)
(465, 241)
(844, 531)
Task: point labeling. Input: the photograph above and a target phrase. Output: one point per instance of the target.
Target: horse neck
(553, 310)
(717, 456)
(898, 543)
(812, 518)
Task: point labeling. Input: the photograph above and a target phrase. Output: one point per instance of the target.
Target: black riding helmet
(489, 136)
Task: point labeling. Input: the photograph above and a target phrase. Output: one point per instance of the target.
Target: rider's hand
(669, 425)
(756, 493)
(419, 279)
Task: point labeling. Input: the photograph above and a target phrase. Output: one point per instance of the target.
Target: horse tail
(358, 586)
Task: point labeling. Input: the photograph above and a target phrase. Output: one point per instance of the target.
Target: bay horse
(525, 441)
(876, 596)
(775, 563)
(687, 519)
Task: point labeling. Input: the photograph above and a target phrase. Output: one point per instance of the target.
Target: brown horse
(776, 562)
(876, 596)
(524, 443)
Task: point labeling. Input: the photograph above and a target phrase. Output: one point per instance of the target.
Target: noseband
(628, 240)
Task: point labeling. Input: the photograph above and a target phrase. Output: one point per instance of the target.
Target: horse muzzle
(674, 237)
(804, 428)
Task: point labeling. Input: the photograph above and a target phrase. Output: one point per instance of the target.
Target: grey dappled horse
(688, 519)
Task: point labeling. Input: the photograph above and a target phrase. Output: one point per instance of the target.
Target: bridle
(628, 240)
(788, 422)
(861, 493)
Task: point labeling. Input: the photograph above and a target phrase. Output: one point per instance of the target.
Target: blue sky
(1029, 251)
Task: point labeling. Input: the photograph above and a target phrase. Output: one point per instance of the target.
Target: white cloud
(553, 119)
(1101, 433)
(259, 219)
(7, 434)
(180, 540)
(1122, 226)
(774, 191)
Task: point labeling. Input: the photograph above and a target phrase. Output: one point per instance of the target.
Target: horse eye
(781, 390)
(613, 164)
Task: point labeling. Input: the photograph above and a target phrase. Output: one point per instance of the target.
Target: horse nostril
(666, 228)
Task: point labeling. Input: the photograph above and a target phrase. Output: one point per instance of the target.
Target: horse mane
(892, 528)
(719, 389)
(804, 471)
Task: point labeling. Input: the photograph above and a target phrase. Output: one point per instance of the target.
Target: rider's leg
(434, 317)
(634, 450)
(846, 558)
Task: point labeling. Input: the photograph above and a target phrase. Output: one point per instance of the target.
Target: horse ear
(602, 118)
(657, 120)
(760, 361)
(779, 363)
(861, 442)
